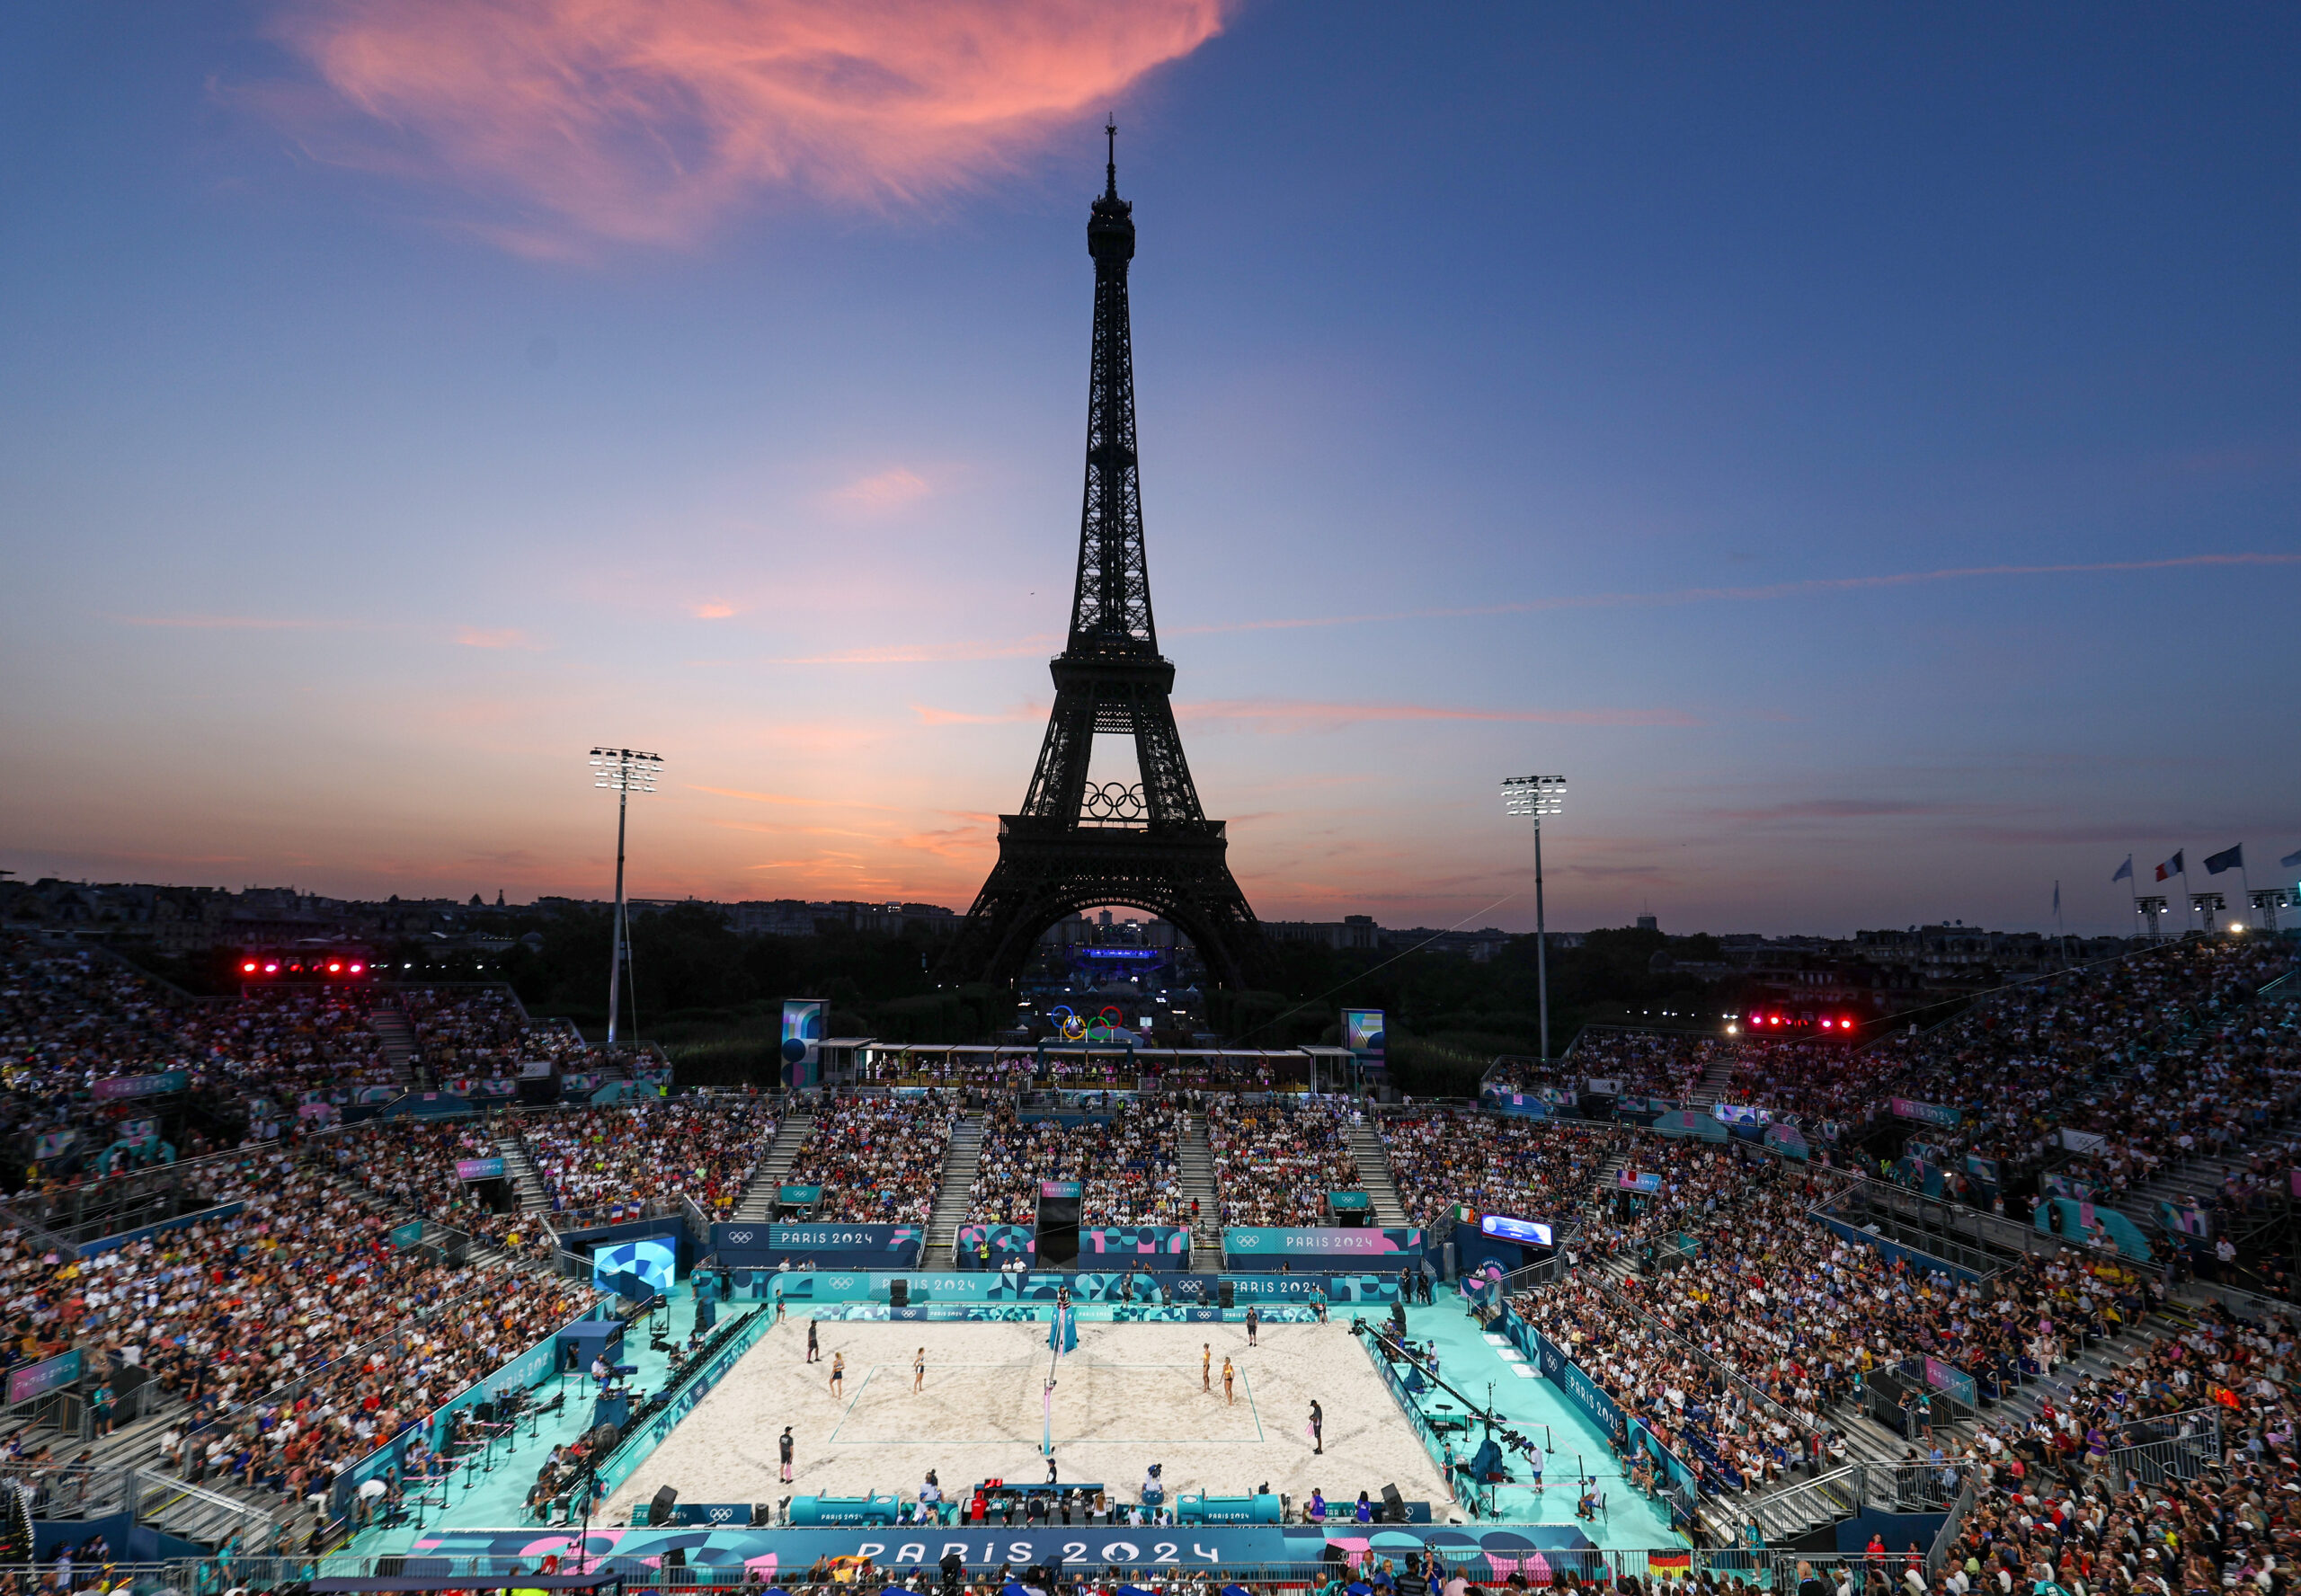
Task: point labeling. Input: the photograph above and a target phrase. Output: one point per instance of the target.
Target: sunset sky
(1859, 448)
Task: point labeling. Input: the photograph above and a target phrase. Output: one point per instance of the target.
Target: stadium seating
(600, 1159)
(1532, 1169)
(1126, 1165)
(1275, 1160)
(879, 1161)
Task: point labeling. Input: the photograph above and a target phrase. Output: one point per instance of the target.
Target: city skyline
(1861, 453)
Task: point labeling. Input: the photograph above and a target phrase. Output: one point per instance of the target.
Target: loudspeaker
(899, 1293)
(1225, 1295)
(762, 1514)
(659, 1511)
(1393, 1507)
(1398, 1323)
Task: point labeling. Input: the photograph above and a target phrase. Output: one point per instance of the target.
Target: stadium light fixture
(622, 771)
(1532, 797)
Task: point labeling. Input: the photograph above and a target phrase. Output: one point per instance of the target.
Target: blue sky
(1603, 391)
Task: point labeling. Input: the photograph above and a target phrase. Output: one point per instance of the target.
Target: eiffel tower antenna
(1074, 844)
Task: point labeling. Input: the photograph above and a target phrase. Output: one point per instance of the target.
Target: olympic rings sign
(1071, 1027)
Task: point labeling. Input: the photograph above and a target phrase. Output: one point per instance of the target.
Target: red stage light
(1828, 1023)
(356, 969)
(272, 968)
(248, 968)
(336, 967)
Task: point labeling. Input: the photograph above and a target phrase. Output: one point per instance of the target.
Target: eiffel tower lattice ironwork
(1077, 843)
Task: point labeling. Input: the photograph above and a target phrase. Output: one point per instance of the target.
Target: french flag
(2172, 867)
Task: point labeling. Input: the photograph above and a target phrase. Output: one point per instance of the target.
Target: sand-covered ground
(1128, 1397)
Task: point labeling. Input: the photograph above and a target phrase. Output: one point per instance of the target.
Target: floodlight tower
(1536, 796)
(623, 772)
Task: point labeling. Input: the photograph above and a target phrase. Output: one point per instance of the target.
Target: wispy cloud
(711, 612)
(1013, 648)
(205, 623)
(930, 653)
(1288, 714)
(930, 716)
(793, 799)
(1804, 588)
(640, 123)
(493, 637)
(897, 486)
(1844, 808)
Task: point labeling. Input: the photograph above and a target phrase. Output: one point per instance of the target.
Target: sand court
(1129, 1397)
(1096, 1403)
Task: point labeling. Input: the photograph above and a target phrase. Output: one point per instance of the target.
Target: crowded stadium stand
(1443, 1157)
(2017, 1295)
(628, 1156)
(878, 1160)
(1123, 1157)
(1275, 1160)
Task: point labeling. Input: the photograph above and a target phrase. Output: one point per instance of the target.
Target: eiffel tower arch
(1078, 843)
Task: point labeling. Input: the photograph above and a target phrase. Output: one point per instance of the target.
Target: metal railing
(1954, 1523)
(1175, 1573)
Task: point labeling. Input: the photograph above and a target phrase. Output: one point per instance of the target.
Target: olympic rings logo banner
(1108, 1025)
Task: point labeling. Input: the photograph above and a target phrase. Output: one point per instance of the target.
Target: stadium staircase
(960, 1166)
(1713, 1082)
(757, 1205)
(1194, 1167)
(1374, 1175)
(521, 1171)
(390, 1027)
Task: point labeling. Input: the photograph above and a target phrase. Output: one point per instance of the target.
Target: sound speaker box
(1393, 1506)
(899, 1293)
(1225, 1296)
(1398, 1322)
(659, 1511)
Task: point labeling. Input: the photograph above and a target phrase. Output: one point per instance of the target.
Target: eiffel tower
(1075, 844)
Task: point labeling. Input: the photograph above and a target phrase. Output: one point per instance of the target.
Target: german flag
(1669, 1562)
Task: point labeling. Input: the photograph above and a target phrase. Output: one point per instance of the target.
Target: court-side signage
(1489, 1556)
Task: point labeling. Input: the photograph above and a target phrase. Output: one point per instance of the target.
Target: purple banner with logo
(1268, 1247)
(40, 1378)
(479, 1169)
(1156, 1240)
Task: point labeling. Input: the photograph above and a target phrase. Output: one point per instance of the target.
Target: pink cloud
(898, 485)
(500, 637)
(711, 612)
(199, 623)
(928, 654)
(645, 124)
(951, 717)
